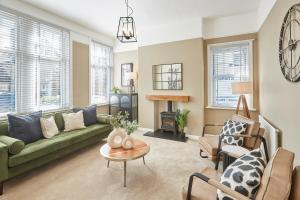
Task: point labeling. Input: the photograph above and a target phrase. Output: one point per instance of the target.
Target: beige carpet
(84, 175)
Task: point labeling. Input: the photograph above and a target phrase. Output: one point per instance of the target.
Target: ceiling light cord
(128, 7)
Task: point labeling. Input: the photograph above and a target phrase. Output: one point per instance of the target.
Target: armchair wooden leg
(1, 188)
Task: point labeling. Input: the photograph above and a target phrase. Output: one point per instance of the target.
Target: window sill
(3, 117)
(227, 108)
(102, 104)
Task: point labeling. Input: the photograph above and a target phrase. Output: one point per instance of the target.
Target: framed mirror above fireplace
(167, 76)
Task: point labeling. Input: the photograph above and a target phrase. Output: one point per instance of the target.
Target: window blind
(35, 57)
(228, 63)
(101, 72)
(8, 54)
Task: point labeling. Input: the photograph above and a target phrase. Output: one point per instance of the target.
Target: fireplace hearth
(169, 126)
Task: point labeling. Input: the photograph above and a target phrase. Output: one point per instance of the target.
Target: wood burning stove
(169, 127)
(168, 120)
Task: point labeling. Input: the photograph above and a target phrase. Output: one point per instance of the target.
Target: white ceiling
(103, 15)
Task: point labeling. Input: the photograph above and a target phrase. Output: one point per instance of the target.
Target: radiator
(271, 135)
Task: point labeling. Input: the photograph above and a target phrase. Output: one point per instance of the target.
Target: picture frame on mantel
(126, 68)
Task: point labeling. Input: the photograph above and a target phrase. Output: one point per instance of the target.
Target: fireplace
(169, 127)
(168, 120)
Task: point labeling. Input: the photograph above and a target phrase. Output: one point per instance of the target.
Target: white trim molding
(210, 78)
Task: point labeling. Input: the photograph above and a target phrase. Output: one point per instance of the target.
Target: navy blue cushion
(89, 114)
(25, 127)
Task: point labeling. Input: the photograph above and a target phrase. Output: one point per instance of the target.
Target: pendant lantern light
(126, 29)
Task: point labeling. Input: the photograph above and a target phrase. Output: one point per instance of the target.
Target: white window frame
(90, 73)
(210, 78)
(18, 108)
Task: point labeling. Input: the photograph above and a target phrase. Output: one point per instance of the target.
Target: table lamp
(132, 76)
(242, 88)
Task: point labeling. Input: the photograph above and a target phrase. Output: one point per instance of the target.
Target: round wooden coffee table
(139, 150)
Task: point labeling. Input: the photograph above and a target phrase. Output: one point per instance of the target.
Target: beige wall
(188, 52)
(81, 77)
(218, 116)
(124, 57)
(80, 74)
(279, 99)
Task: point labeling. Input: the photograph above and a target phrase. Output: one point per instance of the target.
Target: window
(228, 63)
(101, 72)
(34, 64)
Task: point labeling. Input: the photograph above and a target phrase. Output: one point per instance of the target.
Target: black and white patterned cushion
(234, 128)
(244, 175)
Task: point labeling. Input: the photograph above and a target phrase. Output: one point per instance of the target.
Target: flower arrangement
(117, 120)
(116, 90)
(120, 136)
(130, 127)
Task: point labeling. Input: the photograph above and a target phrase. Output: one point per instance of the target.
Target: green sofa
(45, 150)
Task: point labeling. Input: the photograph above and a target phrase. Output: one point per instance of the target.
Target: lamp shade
(242, 88)
(132, 75)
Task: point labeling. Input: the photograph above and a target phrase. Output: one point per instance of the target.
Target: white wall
(196, 28)
(230, 25)
(181, 30)
(121, 47)
(54, 19)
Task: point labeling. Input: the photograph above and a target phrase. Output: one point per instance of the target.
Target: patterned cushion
(244, 175)
(233, 128)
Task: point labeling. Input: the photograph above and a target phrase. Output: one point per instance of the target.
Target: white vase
(127, 142)
(116, 137)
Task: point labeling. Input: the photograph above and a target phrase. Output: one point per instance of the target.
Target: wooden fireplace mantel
(168, 98)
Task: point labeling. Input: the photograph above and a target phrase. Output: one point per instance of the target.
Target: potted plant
(116, 90)
(116, 137)
(181, 119)
(129, 127)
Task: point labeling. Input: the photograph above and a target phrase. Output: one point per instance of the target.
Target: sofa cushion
(3, 127)
(201, 190)
(103, 118)
(45, 146)
(277, 178)
(244, 175)
(233, 128)
(73, 121)
(49, 127)
(89, 114)
(25, 127)
(14, 145)
(235, 151)
(59, 120)
(252, 129)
